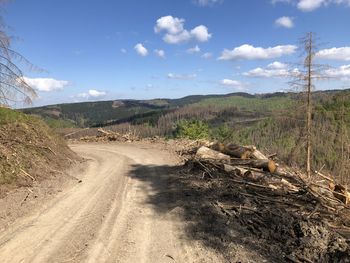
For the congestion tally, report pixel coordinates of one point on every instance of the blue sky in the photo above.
(113, 49)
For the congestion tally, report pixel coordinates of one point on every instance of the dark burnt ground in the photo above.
(240, 220)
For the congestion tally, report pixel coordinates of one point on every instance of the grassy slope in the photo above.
(249, 104)
(27, 145)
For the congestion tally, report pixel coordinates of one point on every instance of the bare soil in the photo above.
(110, 215)
(134, 202)
(30, 152)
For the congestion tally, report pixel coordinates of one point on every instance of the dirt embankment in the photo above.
(29, 151)
(33, 164)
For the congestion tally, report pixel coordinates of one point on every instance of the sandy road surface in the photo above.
(106, 218)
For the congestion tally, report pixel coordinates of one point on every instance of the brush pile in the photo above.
(110, 136)
(305, 219)
(29, 151)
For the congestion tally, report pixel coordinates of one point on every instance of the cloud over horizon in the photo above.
(341, 53)
(249, 52)
(233, 84)
(341, 73)
(46, 84)
(92, 93)
(273, 70)
(181, 76)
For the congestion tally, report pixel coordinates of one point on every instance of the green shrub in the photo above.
(10, 116)
(194, 130)
(223, 133)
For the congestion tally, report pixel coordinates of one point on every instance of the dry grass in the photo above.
(29, 150)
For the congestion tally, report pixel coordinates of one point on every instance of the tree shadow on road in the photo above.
(196, 198)
(217, 212)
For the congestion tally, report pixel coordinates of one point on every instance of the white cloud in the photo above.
(95, 93)
(193, 50)
(273, 70)
(175, 33)
(285, 21)
(184, 36)
(160, 53)
(207, 55)
(277, 65)
(46, 84)
(267, 73)
(281, 70)
(248, 52)
(207, 2)
(92, 93)
(141, 50)
(123, 50)
(341, 53)
(311, 5)
(201, 33)
(172, 25)
(343, 72)
(233, 84)
(181, 76)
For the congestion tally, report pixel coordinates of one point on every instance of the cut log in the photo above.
(340, 192)
(233, 150)
(205, 153)
(229, 168)
(266, 165)
(324, 176)
(290, 186)
(237, 170)
(258, 155)
(218, 146)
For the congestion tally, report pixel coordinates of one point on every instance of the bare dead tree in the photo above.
(13, 87)
(344, 140)
(304, 80)
(310, 49)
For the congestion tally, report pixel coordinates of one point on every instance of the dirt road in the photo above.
(107, 217)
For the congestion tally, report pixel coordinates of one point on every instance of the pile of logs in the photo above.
(110, 136)
(252, 165)
(307, 218)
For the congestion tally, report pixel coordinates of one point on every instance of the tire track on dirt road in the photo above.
(106, 218)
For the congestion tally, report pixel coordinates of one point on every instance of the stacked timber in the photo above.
(251, 164)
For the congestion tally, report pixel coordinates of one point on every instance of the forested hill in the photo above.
(102, 113)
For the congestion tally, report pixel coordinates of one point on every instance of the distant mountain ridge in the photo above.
(102, 113)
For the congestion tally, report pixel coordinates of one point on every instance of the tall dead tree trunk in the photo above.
(308, 64)
(303, 80)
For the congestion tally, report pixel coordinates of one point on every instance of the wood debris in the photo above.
(110, 136)
(251, 164)
(309, 217)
